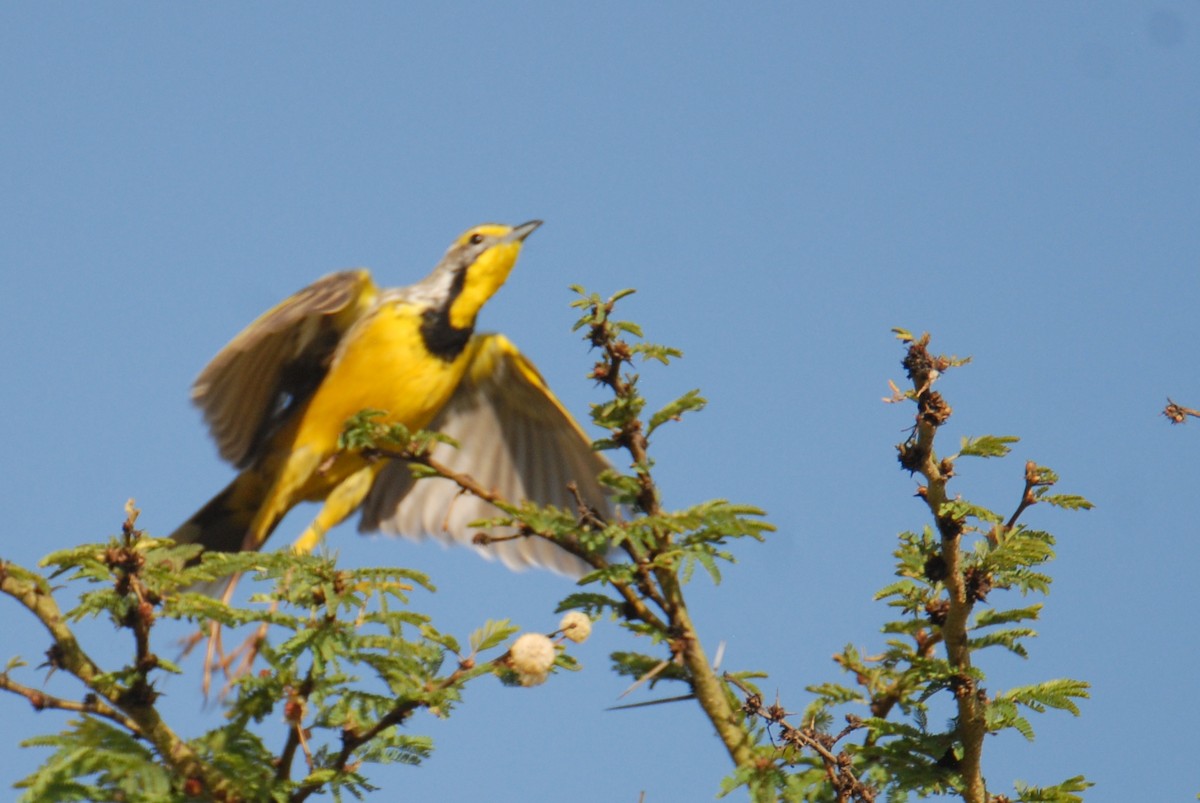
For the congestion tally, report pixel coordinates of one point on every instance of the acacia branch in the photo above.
(1179, 414)
(353, 739)
(656, 580)
(31, 592)
(1028, 499)
(918, 455)
(469, 485)
(294, 715)
(40, 700)
(846, 785)
(653, 578)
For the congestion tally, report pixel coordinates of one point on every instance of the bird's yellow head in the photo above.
(482, 258)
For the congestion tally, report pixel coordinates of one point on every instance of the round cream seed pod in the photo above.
(532, 680)
(576, 626)
(532, 654)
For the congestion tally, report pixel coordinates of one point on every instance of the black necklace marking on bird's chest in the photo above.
(444, 341)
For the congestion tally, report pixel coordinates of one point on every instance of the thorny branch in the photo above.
(1177, 413)
(650, 590)
(838, 766)
(135, 701)
(917, 455)
(656, 579)
(352, 738)
(91, 704)
(1033, 479)
(132, 705)
(468, 484)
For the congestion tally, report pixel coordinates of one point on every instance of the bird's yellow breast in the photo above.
(384, 365)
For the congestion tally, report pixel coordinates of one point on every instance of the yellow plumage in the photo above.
(277, 398)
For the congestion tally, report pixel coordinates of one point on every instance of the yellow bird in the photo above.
(277, 398)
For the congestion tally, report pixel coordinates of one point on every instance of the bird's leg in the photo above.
(343, 500)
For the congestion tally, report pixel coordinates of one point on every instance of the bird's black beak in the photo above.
(519, 233)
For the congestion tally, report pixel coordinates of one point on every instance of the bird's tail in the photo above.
(223, 524)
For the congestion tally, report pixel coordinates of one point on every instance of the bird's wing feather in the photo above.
(514, 438)
(277, 361)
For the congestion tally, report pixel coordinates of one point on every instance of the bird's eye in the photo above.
(476, 239)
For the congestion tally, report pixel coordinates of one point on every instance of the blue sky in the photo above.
(782, 183)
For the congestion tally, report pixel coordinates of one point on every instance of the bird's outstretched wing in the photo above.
(514, 438)
(276, 362)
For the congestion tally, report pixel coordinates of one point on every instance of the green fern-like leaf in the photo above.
(989, 617)
(493, 633)
(93, 760)
(1009, 639)
(962, 510)
(987, 446)
(836, 694)
(1060, 694)
(1066, 501)
(688, 402)
(652, 351)
(590, 603)
(1069, 791)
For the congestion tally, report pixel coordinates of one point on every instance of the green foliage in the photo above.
(592, 604)
(909, 673)
(652, 670)
(93, 760)
(675, 541)
(688, 402)
(492, 634)
(1065, 792)
(950, 611)
(962, 510)
(1066, 501)
(987, 446)
(343, 660)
